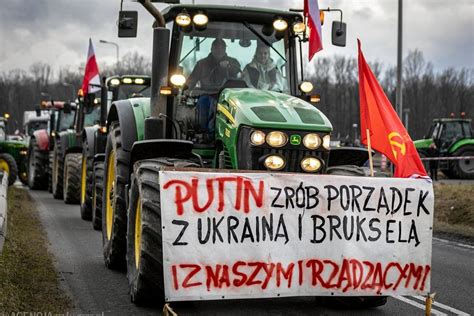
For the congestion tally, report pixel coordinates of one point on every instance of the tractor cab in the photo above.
(446, 132)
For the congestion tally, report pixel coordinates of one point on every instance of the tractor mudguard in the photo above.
(348, 156)
(68, 142)
(88, 137)
(156, 148)
(122, 111)
(42, 139)
(100, 141)
(461, 143)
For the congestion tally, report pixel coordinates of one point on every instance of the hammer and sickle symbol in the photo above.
(399, 143)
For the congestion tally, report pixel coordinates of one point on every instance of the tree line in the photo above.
(426, 94)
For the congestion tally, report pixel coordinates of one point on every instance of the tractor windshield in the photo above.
(93, 117)
(234, 51)
(131, 91)
(66, 121)
(36, 125)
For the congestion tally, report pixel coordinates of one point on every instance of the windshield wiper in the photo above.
(263, 39)
(193, 49)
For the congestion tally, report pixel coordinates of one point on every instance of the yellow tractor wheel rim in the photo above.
(138, 232)
(109, 194)
(4, 166)
(83, 180)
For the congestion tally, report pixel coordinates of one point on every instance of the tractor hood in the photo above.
(423, 143)
(268, 109)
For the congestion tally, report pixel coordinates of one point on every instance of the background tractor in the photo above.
(452, 137)
(94, 139)
(248, 128)
(12, 154)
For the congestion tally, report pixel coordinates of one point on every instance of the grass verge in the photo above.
(454, 209)
(28, 279)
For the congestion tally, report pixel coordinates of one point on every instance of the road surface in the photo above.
(96, 290)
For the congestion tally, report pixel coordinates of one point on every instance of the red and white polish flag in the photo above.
(91, 81)
(311, 11)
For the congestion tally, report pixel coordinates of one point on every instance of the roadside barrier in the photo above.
(448, 158)
(3, 208)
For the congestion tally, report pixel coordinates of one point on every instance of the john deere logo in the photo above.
(295, 139)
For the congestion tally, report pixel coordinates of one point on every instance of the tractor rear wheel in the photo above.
(144, 240)
(58, 172)
(463, 169)
(72, 178)
(114, 215)
(37, 166)
(50, 171)
(8, 164)
(86, 185)
(97, 195)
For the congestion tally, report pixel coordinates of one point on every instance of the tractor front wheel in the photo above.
(8, 164)
(58, 172)
(86, 185)
(97, 195)
(72, 178)
(463, 169)
(37, 167)
(144, 240)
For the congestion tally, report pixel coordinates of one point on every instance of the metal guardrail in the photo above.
(3, 208)
(448, 158)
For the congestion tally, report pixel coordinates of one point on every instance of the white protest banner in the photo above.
(253, 235)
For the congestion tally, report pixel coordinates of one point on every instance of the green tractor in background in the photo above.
(242, 127)
(94, 139)
(12, 154)
(452, 137)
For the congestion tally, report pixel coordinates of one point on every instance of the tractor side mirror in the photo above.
(339, 33)
(67, 108)
(127, 24)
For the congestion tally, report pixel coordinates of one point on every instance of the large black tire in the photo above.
(58, 172)
(145, 275)
(97, 195)
(38, 161)
(8, 163)
(50, 171)
(72, 178)
(114, 208)
(463, 169)
(87, 180)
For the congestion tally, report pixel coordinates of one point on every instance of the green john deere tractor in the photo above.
(94, 139)
(12, 154)
(67, 153)
(452, 137)
(229, 125)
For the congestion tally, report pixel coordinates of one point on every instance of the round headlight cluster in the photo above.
(277, 139)
(326, 141)
(257, 138)
(311, 164)
(312, 141)
(275, 162)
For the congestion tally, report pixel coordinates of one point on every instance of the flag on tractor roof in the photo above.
(91, 81)
(387, 133)
(311, 12)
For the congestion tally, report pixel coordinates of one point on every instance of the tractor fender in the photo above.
(68, 140)
(461, 143)
(122, 111)
(356, 156)
(100, 141)
(42, 139)
(156, 148)
(88, 138)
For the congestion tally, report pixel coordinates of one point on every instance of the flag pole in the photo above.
(369, 147)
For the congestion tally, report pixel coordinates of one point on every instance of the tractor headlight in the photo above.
(127, 80)
(310, 164)
(298, 27)
(178, 80)
(139, 81)
(183, 19)
(312, 141)
(200, 19)
(279, 24)
(275, 162)
(277, 139)
(327, 141)
(23, 152)
(306, 87)
(257, 138)
(115, 82)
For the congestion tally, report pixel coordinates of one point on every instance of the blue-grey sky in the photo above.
(57, 31)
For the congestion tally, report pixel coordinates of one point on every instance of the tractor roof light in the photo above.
(274, 162)
(183, 19)
(139, 81)
(200, 19)
(96, 101)
(178, 80)
(311, 164)
(306, 87)
(327, 141)
(115, 82)
(127, 80)
(299, 27)
(312, 141)
(6, 116)
(280, 24)
(257, 138)
(277, 139)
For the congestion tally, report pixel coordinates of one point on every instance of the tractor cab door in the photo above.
(450, 133)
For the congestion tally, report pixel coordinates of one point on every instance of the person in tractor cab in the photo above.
(210, 74)
(262, 72)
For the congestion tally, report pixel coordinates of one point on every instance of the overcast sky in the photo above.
(57, 31)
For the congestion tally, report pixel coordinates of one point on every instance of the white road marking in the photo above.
(416, 304)
(446, 307)
(453, 243)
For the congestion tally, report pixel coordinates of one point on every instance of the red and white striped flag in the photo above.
(91, 81)
(311, 11)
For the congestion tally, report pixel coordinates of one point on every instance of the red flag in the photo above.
(91, 81)
(387, 133)
(311, 11)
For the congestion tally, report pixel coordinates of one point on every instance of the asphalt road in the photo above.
(96, 290)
